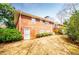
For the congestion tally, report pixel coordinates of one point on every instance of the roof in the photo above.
(33, 16)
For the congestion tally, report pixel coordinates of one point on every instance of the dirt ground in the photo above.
(50, 45)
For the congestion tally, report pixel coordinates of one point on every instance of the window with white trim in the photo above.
(33, 20)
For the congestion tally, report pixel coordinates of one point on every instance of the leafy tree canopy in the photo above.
(73, 26)
(7, 14)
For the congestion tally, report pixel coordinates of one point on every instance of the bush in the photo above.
(73, 27)
(9, 35)
(43, 34)
(63, 30)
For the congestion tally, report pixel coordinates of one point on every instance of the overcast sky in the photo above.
(40, 9)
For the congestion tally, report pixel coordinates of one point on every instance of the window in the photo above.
(33, 20)
(46, 23)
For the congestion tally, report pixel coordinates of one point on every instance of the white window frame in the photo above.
(33, 20)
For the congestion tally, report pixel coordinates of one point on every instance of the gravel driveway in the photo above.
(50, 45)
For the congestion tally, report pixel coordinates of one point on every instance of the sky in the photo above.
(40, 9)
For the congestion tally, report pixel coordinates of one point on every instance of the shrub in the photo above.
(9, 35)
(73, 26)
(43, 34)
(63, 30)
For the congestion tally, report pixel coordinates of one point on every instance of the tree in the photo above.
(73, 26)
(65, 13)
(7, 14)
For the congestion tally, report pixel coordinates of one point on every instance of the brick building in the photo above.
(29, 25)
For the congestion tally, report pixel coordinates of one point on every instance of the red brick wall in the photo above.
(34, 27)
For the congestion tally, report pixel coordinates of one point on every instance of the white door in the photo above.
(26, 33)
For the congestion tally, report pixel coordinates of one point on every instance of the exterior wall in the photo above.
(26, 22)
